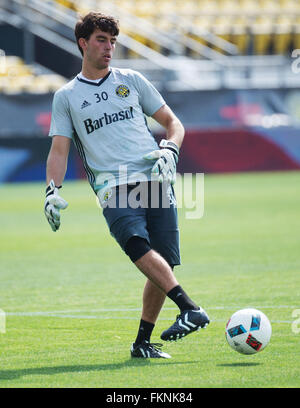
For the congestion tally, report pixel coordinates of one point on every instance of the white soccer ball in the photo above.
(248, 331)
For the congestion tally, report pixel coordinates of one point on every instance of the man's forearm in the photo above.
(57, 160)
(175, 132)
(56, 168)
(174, 128)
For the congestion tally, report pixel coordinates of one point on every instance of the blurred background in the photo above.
(230, 69)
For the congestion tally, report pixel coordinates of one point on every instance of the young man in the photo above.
(103, 111)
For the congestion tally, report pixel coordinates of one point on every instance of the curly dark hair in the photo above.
(86, 25)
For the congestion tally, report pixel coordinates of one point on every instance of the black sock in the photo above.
(181, 299)
(145, 331)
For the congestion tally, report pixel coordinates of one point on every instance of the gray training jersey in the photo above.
(107, 123)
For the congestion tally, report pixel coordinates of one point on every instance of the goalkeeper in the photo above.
(103, 111)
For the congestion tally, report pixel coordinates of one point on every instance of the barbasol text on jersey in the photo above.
(107, 119)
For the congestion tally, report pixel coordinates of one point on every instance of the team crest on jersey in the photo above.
(107, 195)
(104, 195)
(122, 91)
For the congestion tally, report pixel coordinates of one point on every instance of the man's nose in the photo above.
(108, 45)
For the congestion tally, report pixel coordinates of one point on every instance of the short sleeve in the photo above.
(61, 122)
(149, 97)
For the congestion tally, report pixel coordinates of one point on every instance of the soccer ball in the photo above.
(248, 331)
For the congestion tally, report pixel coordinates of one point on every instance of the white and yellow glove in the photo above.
(53, 204)
(164, 168)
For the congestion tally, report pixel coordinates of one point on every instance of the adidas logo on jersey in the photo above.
(85, 104)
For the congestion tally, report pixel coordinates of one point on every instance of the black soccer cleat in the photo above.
(187, 322)
(148, 350)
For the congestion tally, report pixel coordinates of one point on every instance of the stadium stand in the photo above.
(18, 77)
(255, 26)
(226, 42)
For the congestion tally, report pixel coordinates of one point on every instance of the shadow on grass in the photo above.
(238, 364)
(13, 374)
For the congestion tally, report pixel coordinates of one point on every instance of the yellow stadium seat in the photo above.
(228, 7)
(11, 65)
(208, 6)
(296, 34)
(13, 60)
(204, 24)
(262, 31)
(292, 6)
(222, 28)
(283, 35)
(19, 77)
(139, 38)
(162, 24)
(164, 8)
(240, 35)
(51, 81)
(127, 29)
(127, 5)
(13, 86)
(187, 8)
(16, 71)
(4, 83)
(68, 4)
(269, 6)
(249, 6)
(144, 9)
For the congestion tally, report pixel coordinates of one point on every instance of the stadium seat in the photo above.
(13, 60)
(282, 35)
(249, 6)
(188, 8)
(144, 9)
(254, 26)
(203, 24)
(222, 27)
(68, 4)
(14, 67)
(17, 77)
(4, 84)
(262, 30)
(228, 7)
(127, 5)
(292, 6)
(296, 34)
(269, 6)
(208, 6)
(240, 34)
(164, 9)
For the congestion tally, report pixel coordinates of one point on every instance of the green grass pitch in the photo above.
(72, 299)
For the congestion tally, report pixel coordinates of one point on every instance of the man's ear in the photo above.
(83, 43)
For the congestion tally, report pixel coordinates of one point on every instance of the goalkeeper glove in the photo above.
(53, 204)
(166, 158)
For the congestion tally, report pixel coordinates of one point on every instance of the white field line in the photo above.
(69, 314)
(62, 316)
(234, 307)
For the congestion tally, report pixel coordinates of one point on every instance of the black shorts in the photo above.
(147, 210)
